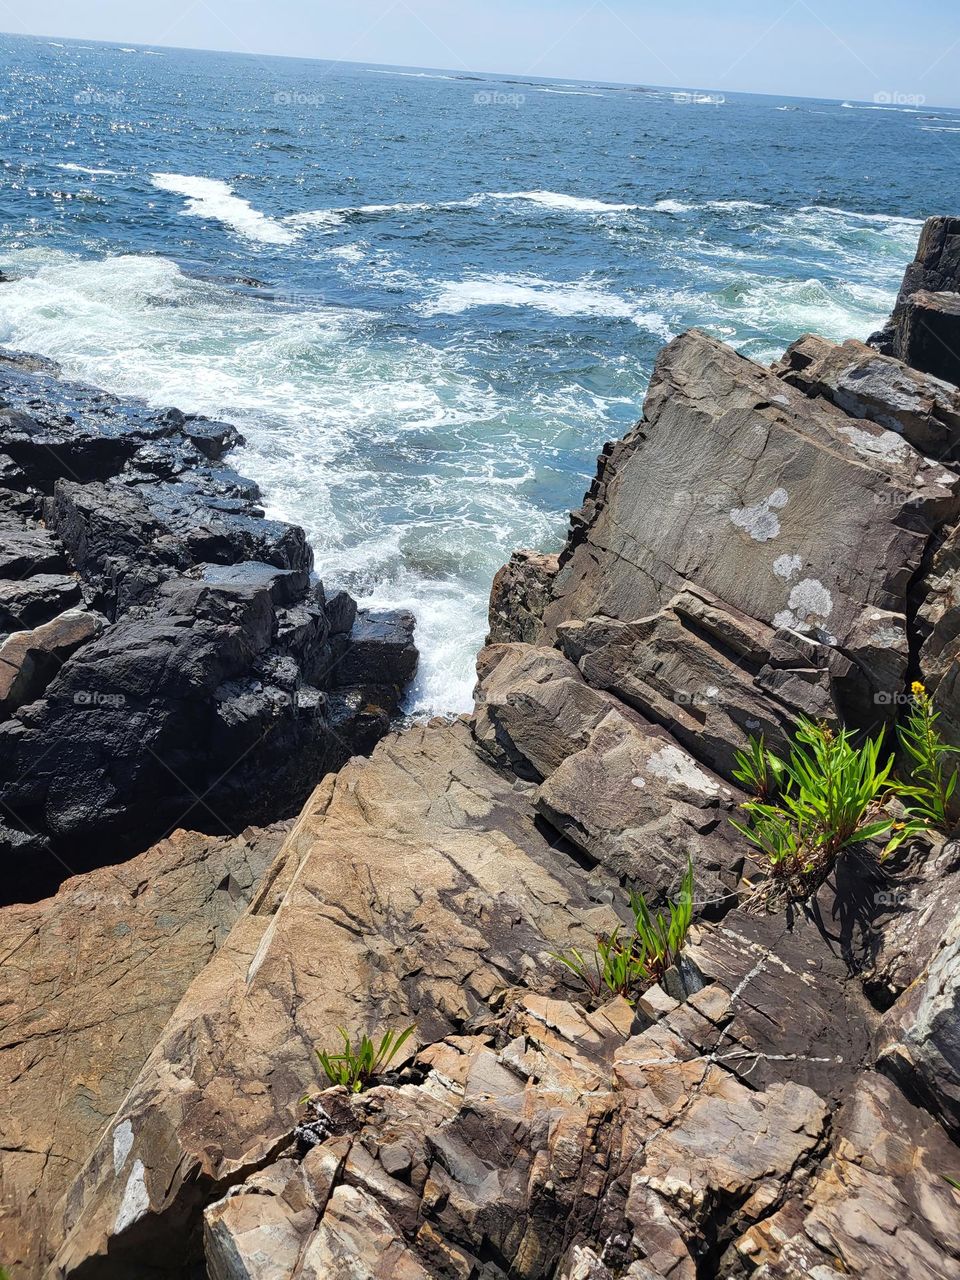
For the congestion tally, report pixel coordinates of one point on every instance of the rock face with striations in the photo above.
(88, 981)
(784, 1103)
(168, 659)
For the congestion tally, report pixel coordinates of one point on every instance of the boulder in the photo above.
(207, 709)
(125, 540)
(923, 409)
(928, 334)
(936, 268)
(412, 889)
(29, 660)
(711, 676)
(224, 684)
(28, 602)
(89, 979)
(796, 547)
(26, 551)
(519, 595)
(920, 1041)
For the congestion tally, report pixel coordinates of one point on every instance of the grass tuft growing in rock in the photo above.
(931, 788)
(358, 1068)
(828, 794)
(625, 963)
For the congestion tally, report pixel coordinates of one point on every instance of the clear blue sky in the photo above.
(817, 48)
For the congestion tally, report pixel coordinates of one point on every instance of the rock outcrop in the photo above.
(935, 270)
(166, 658)
(785, 1101)
(88, 981)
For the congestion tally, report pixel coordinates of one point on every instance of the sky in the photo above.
(899, 50)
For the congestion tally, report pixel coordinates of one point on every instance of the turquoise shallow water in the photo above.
(428, 299)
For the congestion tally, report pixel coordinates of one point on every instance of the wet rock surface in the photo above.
(166, 658)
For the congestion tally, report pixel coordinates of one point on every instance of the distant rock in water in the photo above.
(165, 657)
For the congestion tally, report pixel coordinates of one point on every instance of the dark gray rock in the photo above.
(27, 602)
(936, 268)
(224, 687)
(928, 334)
(380, 651)
(28, 551)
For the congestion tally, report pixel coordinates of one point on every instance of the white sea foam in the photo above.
(671, 206)
(559, 201)
(410, 75)
(880, 218)
(576, 298)
(570, 93)
(316, 218)
(80, 168)
(211, 198)
(403, 468)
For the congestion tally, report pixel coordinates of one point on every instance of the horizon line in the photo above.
(519, 77)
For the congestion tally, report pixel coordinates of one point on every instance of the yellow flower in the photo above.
(917, 689)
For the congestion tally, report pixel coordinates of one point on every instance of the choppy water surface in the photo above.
(428, 299)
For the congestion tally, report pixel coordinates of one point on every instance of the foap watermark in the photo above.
(893, 898)
(298, 99)
(94, 698)
(99, 98)
(894, 98)
(693, 98)
(496, 98)
(701, 698)
(898, 498)
(690, 499)
(887, 698)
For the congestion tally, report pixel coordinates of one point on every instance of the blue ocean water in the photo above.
(427, 299)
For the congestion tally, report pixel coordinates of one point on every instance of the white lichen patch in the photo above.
(122, 1143)
(887, 444)
(787, 566)
(670, 764)
(809, 606)
(136, 1199)
(761, 521)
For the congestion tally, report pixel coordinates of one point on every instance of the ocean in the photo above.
(428, 298)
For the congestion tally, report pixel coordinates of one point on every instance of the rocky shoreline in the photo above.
(784, 1103)
(166, 658)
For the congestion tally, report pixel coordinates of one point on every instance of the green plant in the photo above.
(830, 794)
(661, 939)
(357, 1068)
(758, 769)
(626, 964)
(931, 790)
(615, 965)
(952, 1181)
